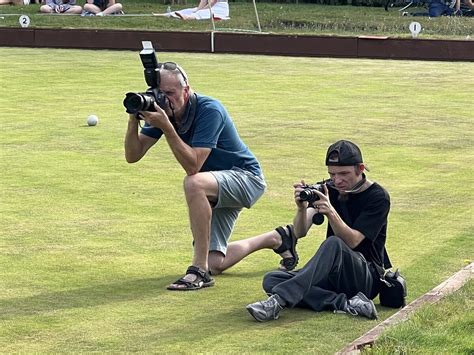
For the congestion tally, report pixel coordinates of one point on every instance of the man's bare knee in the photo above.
(191, 184)
(216, 260)
(215, 271)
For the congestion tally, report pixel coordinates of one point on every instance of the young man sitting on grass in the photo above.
(344, 274)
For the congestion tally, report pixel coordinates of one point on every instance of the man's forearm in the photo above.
(300, 223)
(132, 145)
(184, 154)
(350, 236)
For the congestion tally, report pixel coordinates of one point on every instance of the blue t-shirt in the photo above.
(213, 128)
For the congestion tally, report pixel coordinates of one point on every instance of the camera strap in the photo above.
(189, 115)
(357, 187)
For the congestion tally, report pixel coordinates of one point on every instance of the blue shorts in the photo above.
(237, 189)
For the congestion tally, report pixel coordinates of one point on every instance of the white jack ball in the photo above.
(92, 120)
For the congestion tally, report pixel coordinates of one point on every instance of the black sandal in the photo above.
(288, 242)
(203, 279)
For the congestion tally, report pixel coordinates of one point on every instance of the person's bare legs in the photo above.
(76, 9)
(201, 190)
(238, 250)
(91, 8)
(117, 7)
(45, 9)
(11, 2)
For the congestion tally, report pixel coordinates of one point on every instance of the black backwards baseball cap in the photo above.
(343, 153)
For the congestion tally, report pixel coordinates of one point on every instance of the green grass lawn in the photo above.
(282, 18)
(441, 328)
(89, 242)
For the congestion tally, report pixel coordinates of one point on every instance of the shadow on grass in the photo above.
(97, 295)
(91, 296)
(239, 274)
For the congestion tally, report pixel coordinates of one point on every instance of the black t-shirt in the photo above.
(367, 213)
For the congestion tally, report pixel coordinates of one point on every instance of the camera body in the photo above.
(144, 101)
(309, 193)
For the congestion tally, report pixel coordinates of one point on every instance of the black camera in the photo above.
(144, 101)
(309, 193)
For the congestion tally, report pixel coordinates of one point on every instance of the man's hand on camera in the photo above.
(323, 205)
(300, 186)
(158, 119)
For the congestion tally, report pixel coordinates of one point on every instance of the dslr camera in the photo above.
(144, 101)
(309, 193)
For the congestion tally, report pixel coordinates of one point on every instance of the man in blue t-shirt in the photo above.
(222, 174)
(344, 274)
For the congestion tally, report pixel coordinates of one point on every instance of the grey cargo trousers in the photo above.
(332, 276)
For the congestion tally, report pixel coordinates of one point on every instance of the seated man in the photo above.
(61, 7)
(344, 274)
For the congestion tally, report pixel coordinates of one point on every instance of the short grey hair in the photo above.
(179, 74)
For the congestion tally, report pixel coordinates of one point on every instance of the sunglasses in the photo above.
(171, 66)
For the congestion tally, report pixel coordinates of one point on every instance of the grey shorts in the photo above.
(237, 189)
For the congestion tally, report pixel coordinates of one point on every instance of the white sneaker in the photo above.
(99, 14)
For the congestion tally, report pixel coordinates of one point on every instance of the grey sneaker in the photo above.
(266, 310)
(360, 305)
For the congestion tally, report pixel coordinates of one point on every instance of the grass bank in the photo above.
(441, 328)
(275, 18)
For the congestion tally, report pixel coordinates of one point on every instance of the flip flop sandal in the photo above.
(203, 279)
(288, 243)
